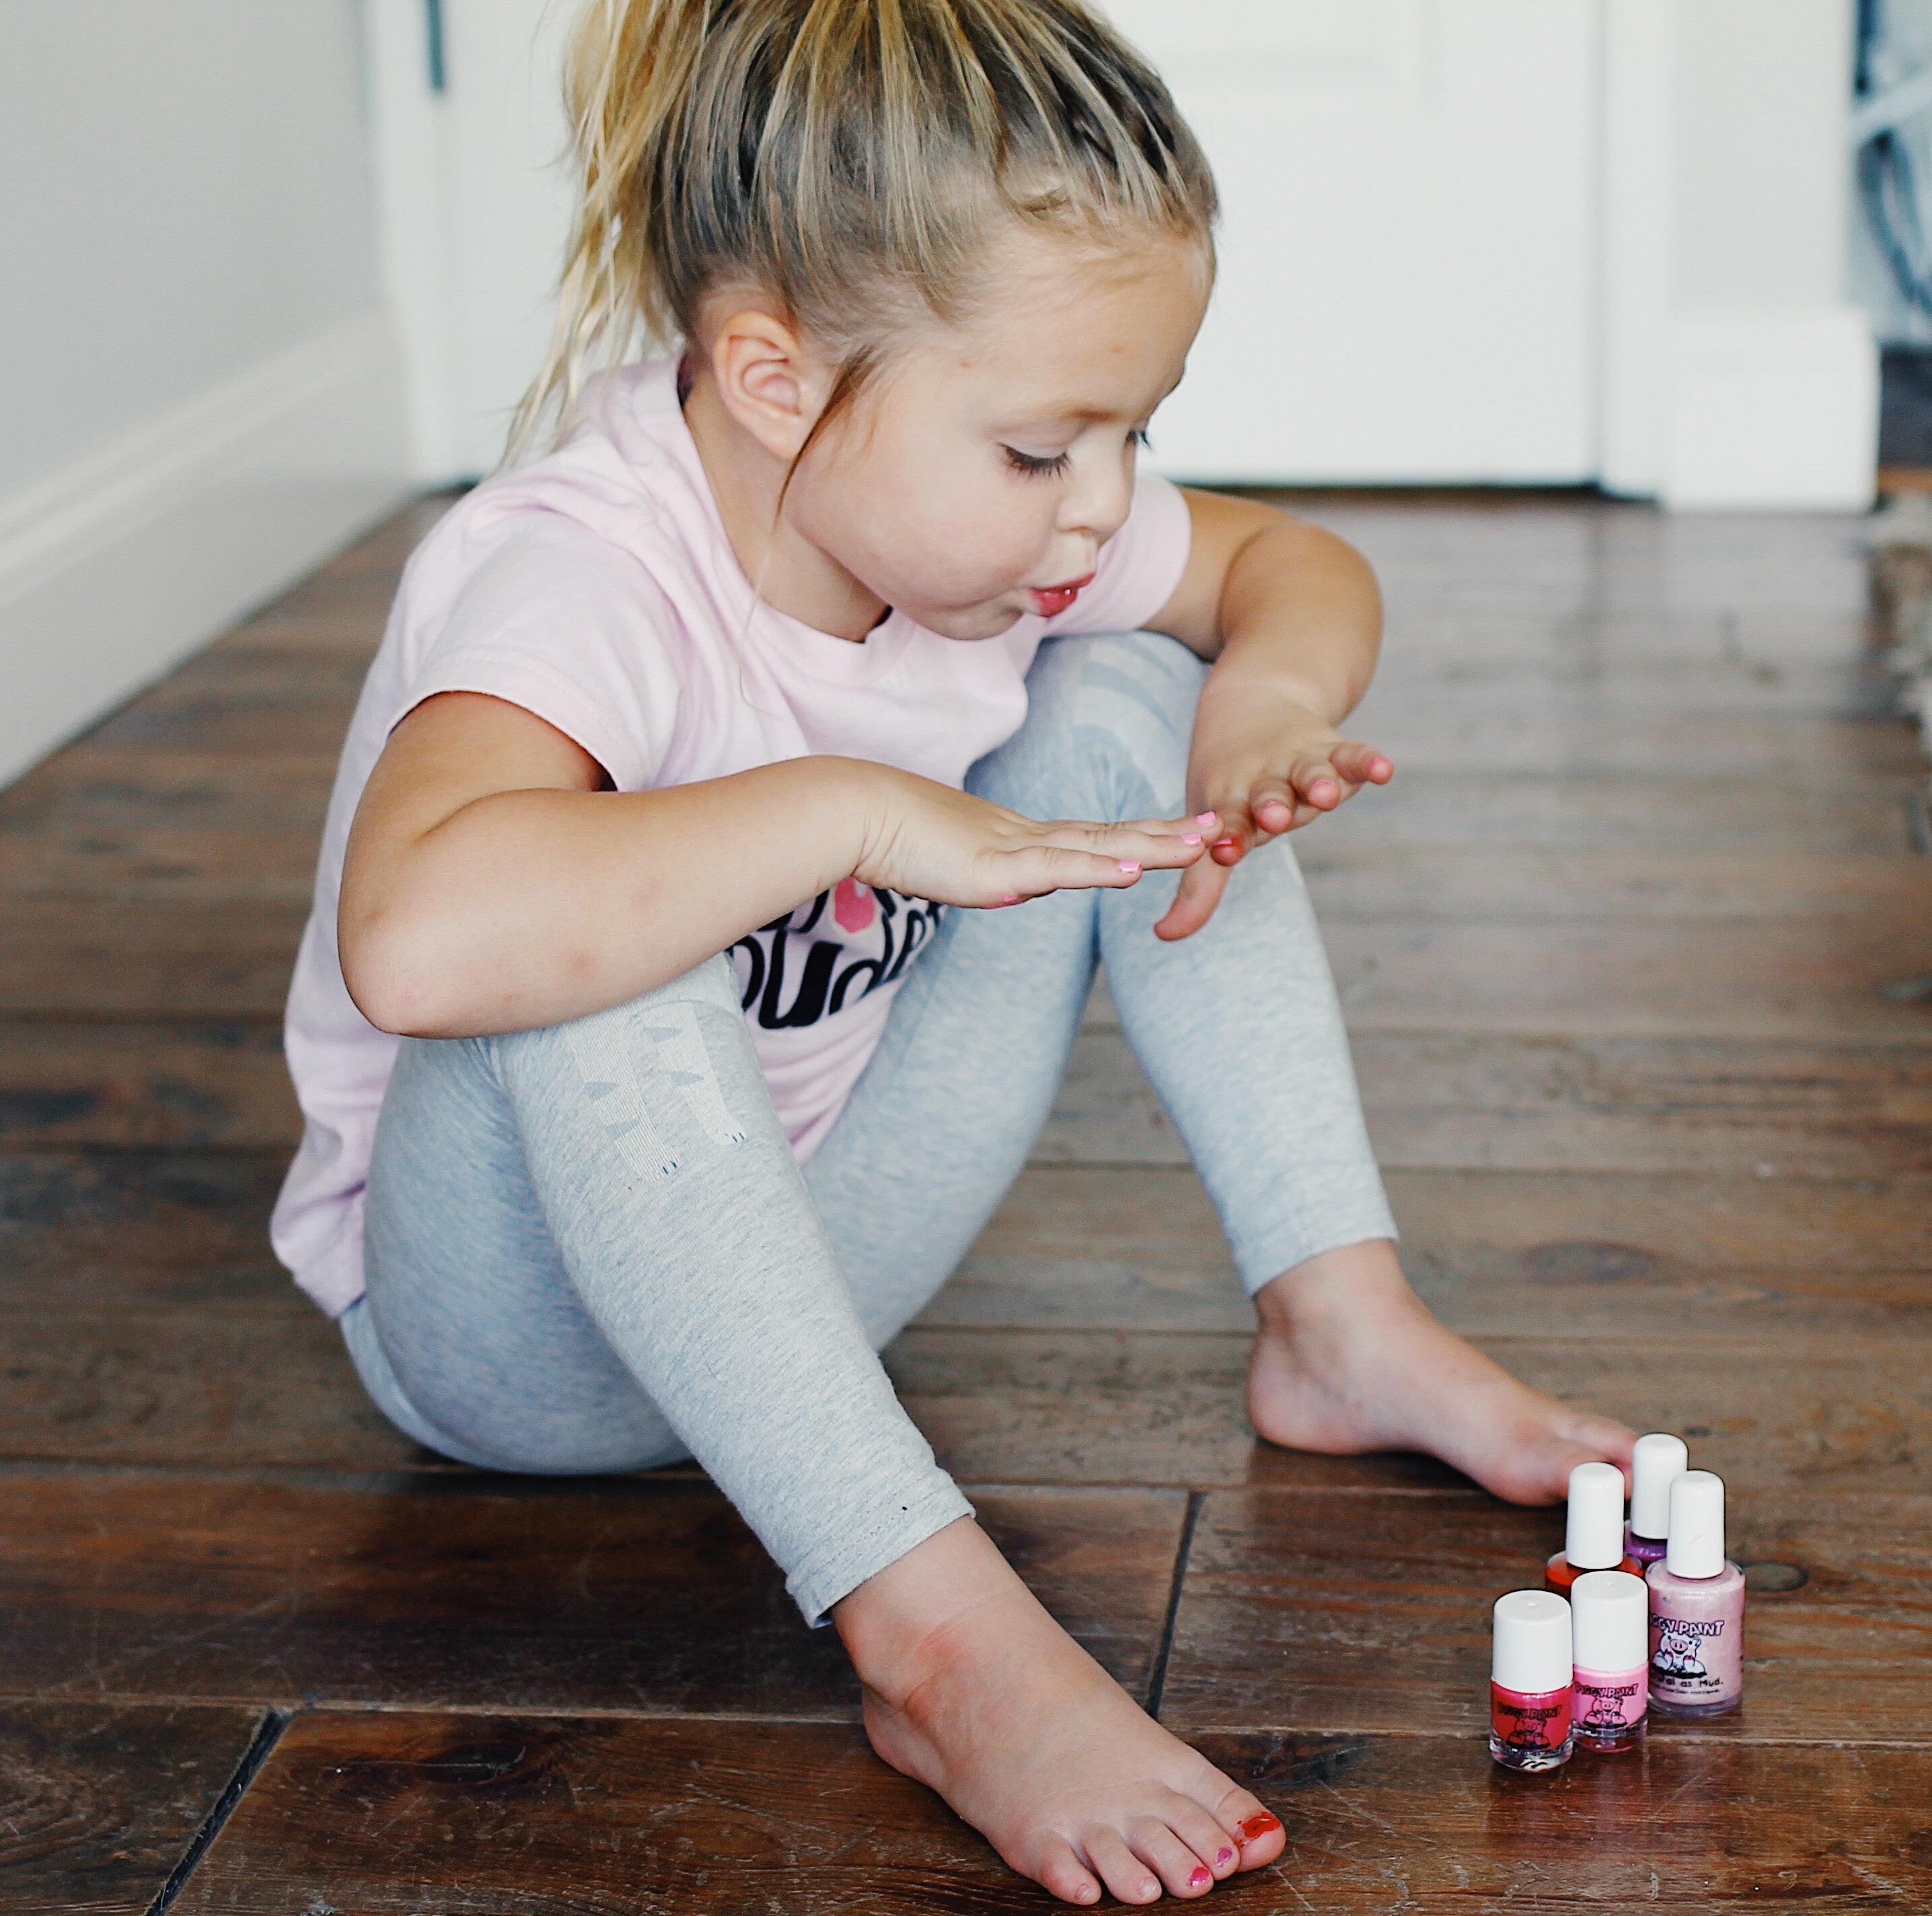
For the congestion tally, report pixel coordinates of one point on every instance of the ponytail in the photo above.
(848, 158)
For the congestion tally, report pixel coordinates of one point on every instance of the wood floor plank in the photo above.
(1476, 808)
(267, 1387)
(1335, 1612)
(1456, 1101)
(1033, 1406)
(1790, 978)
(170, 1086)
(642, 1594)
(194, 957)
(90, 1234)
(99, 1803)
(391, 1814)
(1102, 1248)
(1366, 879)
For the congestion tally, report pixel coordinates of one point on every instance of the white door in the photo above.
(1406, 288)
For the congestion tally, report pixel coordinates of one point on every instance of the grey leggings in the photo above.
(589, 1248)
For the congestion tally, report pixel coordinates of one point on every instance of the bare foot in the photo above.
(1349, 1358)
(972, 1689)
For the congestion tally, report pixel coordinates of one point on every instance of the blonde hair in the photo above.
(848, 158)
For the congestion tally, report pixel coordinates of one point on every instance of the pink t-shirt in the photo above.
(596, 588)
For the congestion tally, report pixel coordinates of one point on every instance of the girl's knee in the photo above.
(1110, 719)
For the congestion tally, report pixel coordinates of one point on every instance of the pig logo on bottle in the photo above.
(1679, 1646)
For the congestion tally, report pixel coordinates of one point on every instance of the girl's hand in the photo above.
(928, 841)
(1266, 764)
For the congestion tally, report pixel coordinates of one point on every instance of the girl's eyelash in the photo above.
(1033, 465)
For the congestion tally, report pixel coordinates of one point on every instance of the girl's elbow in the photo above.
(391, 979)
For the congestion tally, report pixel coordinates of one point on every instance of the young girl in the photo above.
(672, 822)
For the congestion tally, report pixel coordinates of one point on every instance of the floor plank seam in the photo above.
(268, 1734)
(1183, 1549)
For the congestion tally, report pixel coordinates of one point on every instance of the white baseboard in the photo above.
(1771, 411)
(116, 566)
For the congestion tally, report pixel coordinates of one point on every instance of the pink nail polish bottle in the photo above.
(1660, 1459)
(1529, 1682)
(1593, 1536)
(1610, 1646)
(1696, 1607)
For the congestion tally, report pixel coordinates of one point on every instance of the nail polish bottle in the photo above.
(1529, 1682)
(1696, 1607)
(1609, 1640)
(1660, 1459)
(1593, 1538)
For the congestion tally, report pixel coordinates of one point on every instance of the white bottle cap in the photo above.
(1532, 1652)
(1593, 1537)
(1696, 1541)
(1610, 1621)
(1660, 1458)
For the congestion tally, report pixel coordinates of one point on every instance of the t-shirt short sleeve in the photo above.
(1139, 567)
(565, 624)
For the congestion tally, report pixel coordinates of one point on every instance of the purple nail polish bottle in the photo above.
(1696, 1607)
(1659, 1459)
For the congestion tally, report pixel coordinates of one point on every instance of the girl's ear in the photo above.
(771, 382)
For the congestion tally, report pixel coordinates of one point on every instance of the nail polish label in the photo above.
(1610, 1700)
(1533, 1721)
(1695, 1660)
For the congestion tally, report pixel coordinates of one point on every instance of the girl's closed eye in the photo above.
(1036, 465)
(1039, 465)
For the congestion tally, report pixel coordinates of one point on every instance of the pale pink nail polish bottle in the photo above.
(1610, 1639)
(1696, 1607)
(1660, 1459)
(1529, 1682)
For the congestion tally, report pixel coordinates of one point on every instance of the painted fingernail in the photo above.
(1223, 1857)
(1255, 1828)
(1224, 845)
(1206, 818)
(1129, 865)
(1198, 1879)
(1190, 838)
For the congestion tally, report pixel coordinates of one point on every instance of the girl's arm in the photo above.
(491, 885)
(1291, 617)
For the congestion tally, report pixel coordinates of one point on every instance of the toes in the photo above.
(1256, 1829)
(1197, 1828)
(1120, 1869)
(1178, 1867)
(1061, 1874)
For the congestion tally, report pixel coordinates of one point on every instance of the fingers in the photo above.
(1195, 899)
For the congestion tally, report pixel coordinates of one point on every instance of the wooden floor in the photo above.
(1618, 947)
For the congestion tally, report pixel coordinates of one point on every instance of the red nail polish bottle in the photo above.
(1659, 1459)
(1609, 1647)
(1593, 1537)
(1529, 1682)
(1696, 1607)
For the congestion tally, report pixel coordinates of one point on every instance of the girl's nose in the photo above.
(1096, 507)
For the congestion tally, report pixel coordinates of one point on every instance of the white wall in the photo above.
(1737, 372)
(201, 389)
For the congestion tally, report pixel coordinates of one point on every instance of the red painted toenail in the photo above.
(1198, 1879)
(1255, 1828)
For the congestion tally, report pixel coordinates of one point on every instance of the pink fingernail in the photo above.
(1223, 1857)
(1205, 818)
(1129, 865)
(1190, 838)
(1198, 1879)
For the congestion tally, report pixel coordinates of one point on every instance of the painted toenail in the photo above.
(1223, 1857)
(1198, 1879)
(1255, 1828)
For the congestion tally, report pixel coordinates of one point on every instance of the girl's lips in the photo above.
(1049, 599)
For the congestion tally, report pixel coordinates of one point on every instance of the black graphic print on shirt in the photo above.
(828, 954)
